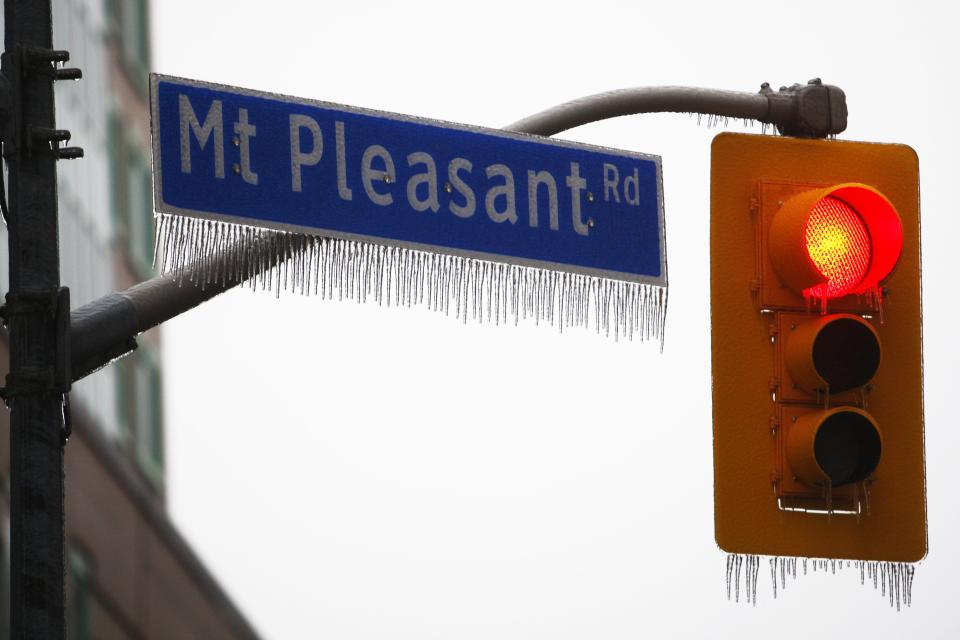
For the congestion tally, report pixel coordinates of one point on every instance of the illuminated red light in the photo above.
(839, 246)
(851, 238)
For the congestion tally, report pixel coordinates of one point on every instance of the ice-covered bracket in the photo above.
(476, 222)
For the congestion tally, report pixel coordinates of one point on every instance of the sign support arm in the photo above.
(106, 328)
(814, 110)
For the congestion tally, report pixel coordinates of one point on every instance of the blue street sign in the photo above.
(266, 160)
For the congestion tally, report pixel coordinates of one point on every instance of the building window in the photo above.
(117, 149)
(140, 206)
(140, 395)
(132, 200)
(129, 22)
(78, 595)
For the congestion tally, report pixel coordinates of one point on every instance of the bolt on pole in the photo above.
(37, 314)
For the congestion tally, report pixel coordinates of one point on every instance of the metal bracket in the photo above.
(48, 140)
(47, 62)
(20, 63)
(812, 110)
(55, 304)
(32, 380)
(29, 301)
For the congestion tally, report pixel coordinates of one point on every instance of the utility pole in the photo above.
(37, 314)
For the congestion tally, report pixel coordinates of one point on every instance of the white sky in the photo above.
(349, 471)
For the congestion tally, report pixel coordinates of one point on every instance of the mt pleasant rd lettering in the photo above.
(306, 150)
(268, 161)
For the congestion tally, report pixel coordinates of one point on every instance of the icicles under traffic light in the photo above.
(894, 580)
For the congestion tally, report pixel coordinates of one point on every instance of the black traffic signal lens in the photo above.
(847, 447)
(846, 353)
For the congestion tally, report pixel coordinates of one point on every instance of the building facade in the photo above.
(130, 575)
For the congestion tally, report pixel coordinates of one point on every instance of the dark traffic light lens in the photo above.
(846, 353)
(847, 447)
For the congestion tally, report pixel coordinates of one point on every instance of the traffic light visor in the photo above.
(832, 242)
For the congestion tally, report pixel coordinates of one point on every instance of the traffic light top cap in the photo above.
(835, 241)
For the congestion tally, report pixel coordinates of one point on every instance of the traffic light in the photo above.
(816, 345)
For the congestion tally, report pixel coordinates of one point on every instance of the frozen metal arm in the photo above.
(812, 110)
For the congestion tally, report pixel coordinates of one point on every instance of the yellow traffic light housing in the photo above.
(816, 344)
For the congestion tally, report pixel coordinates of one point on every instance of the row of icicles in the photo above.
(209, 252)
(894, 580)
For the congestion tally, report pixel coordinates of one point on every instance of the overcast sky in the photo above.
(350, 471)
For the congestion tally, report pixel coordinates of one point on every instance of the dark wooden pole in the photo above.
(37, 316)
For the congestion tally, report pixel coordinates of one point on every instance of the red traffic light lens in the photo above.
(839, 246)
(833, 242)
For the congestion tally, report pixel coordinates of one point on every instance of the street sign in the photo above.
(264, 160)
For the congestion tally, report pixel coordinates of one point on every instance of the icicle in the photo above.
(909, 585)
(729, 573)
(773, 575)
(896, 582)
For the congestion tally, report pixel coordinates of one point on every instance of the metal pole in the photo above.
(813, 110)
(37, 316)
(106, 329)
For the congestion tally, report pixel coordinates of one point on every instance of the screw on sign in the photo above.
(817, 370)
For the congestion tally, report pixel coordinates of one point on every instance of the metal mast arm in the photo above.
(105, 329)
(812, 110)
